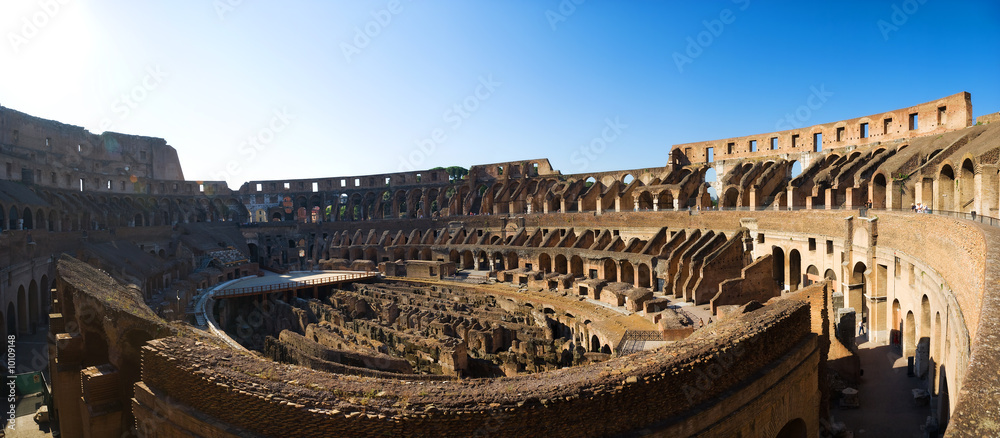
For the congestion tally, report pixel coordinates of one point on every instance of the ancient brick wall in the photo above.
(639, 391)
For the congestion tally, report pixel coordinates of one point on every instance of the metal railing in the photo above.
(262, 289)
(635, 340)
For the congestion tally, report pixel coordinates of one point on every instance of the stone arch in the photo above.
(897, 323)
(731, 198)
(944, 201)
(576, 266)
(879, 191)
(544, 263)
(53, 222)
(644, 276)
(27, 217)
(645, 200)
(468, 261)
(512, 260)
(665, 200)
(966, 186)
(794, 429)
(610, 270)
(794, 270)
(627, 272)
(909, 335)
(778, 265)
(560, 264)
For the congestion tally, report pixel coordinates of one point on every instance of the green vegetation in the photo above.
(455, 173)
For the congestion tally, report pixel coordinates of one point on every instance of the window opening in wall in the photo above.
(942, 115)
(562, 232)
(913, 121)
(79, 148)
(287, 186)
(710, 155)
(829, 247)
(593, 274)
(840, 133)
(175, 187)
(315, 185)
(760, 237)
(812, 244)
(53, 177)
(795, 141)
(614, 232)
(818, 142)
(480, 233)
(274, 186)
(343, 183)
(81, 184)
(387, 181)
(302, 185)
(729, 148)
(15, 137)
(48, 141)
(896, 269)
(499, 170)
(687, 153)
(260, 187)
(886, 124)
(419, 176)
(201, 187)
(864, 130)
(753, 145)
(122, 185)
(357, 182)
(774, 143)
(109, 184)
(534, 169)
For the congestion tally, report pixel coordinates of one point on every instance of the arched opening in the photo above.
(595, 344)
(946, 189)
(794, 270)
(544, 263)
(778, 265)
(793, 429)
(731, 198)
(796, 169)
(13, 216)
(560, 265)
(28, 223)
(610, 270)
(644, 275)
(665, 201)
(967, 187)
(645, 201)
(895, 333)
(812, 275)
(628, 272)
(879, 185)
(909, 335)
(628, 178)
(512, 260)
(468, 261)
(576, 266)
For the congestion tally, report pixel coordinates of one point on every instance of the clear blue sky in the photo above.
(350, 88)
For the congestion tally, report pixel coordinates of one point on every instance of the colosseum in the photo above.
(725, 293)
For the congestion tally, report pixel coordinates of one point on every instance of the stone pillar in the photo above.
(656, 204)
(636, 205)
(100, 415)
(66, 386)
